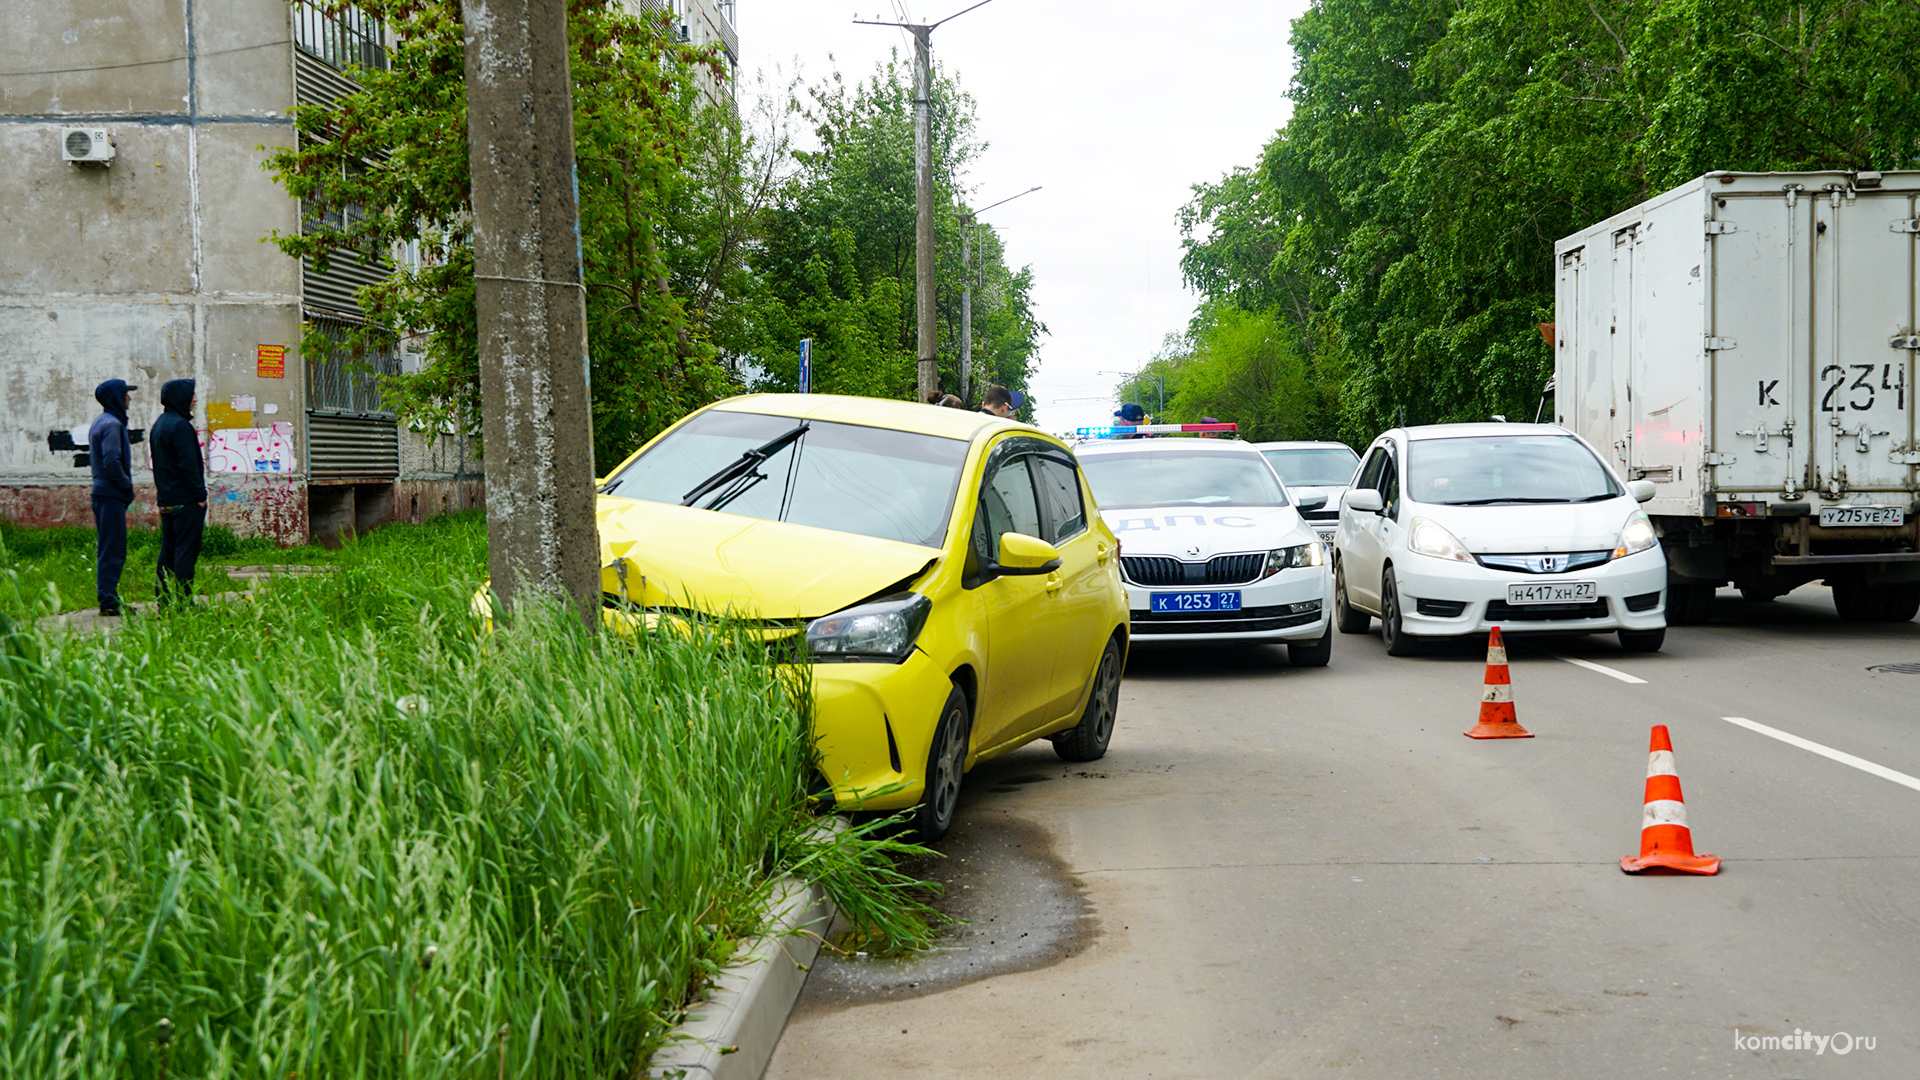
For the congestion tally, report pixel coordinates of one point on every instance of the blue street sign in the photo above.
(806, 365)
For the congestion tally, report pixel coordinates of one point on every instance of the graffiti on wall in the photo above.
(251, 450)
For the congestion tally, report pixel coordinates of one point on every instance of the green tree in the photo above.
(392, 162)
(835, 259)
(1437, 149)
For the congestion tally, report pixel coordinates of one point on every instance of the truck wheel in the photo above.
(1689, 605)
(1350, 619)
(1855, 601)
(1643, 640)
(946, 762)
(1902, 602)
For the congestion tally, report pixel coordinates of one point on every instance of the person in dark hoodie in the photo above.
(180, 487)
(112, 459)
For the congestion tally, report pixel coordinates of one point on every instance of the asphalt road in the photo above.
(1280, 873)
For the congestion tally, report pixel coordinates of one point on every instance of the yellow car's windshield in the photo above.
(893, 485)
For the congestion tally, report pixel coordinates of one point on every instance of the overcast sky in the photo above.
(1116, 108)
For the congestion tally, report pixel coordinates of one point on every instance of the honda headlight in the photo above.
(1298, 555)
(882, 630)
(1637, 536)
(1432, 538)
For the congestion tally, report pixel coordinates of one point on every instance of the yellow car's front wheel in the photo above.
(946, 763)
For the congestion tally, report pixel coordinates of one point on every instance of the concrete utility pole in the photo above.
(967, 222)
(923, 253)
(536, 415)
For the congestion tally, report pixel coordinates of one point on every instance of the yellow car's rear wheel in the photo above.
(946, 764)
(1087, 740)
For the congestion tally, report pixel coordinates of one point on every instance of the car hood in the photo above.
(1526, 529)
(676, 556)
(1193, 533)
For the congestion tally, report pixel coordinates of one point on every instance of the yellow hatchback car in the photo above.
(945, 573)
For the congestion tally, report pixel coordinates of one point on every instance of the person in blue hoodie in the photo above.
(180, 487)
(111, 457)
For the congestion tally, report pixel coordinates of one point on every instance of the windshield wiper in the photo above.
(743, 471)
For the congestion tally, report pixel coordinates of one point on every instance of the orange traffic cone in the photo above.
(1496, 701)
(1665, 840)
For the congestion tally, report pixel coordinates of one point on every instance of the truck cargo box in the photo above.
(1746, 342)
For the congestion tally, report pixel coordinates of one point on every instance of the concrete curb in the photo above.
(731, 1035)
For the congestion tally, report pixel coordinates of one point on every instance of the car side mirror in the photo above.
(1309, 498)
(1641, 490)
(1364, 501)
(1023, 555)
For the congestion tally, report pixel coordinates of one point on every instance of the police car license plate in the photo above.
(1558, 592)
(1170, 602)
(1326, 535)
(1831, 516)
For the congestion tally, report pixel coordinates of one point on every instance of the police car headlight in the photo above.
(1432, 538)
(883, 630)
(1636, 537)
(1286, 558)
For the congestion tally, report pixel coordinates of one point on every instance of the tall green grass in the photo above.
(336, 832)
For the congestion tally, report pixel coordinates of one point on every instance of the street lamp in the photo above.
(966, 288)
(1135, 377)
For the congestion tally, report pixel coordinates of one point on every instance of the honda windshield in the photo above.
(1175, 477)
(1490, 470)
(892, 485)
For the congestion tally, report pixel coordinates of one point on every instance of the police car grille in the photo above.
(1159, 570)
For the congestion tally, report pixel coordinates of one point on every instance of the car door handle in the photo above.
(1102, 553)
(1055, 583)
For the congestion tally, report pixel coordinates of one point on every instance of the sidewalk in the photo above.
(87, 620)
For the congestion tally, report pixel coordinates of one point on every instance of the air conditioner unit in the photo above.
(86, 146)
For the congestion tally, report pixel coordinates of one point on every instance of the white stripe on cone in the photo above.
(1664, 812)
(1498, 692)
(1496, 654)
(1660, 763)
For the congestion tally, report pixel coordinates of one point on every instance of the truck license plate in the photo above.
(1558, 592)
(1194, 601)
(1862, 515)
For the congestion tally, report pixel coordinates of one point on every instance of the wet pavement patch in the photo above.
(1017, 909)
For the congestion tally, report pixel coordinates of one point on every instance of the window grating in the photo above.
(341, 381)
(343, 36)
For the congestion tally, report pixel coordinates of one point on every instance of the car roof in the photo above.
(1151, 444)
(1302, 445)
(875, 412)
(1480, 430)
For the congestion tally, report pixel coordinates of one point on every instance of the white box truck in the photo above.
(1746, 342)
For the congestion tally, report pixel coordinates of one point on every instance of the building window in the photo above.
(345, 378)
(344, 37)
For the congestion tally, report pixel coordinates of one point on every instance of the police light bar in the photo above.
(1121, 430)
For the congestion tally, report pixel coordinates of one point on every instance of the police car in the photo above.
(1213, 547)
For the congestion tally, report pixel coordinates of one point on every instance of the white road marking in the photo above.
(1607, 671)
(1843, 758)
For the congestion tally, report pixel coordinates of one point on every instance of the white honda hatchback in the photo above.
(1212, 545)
(1457, 528)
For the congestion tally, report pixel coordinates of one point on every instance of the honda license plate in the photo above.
(1557, 592)
(1171, 602)
(1843, 516)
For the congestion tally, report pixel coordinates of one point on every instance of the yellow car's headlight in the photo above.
(883, 630)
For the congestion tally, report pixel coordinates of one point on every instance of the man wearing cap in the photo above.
(111, 457)
(1001, 401)
(1131, 415)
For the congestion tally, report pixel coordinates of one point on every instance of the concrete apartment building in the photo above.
(703, 22)
(149, 265)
